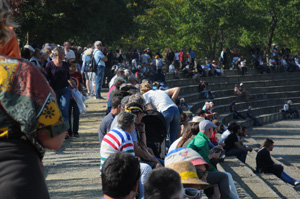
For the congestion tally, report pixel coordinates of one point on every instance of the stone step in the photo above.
(216, 87)
(195, 105)
(259, 113)
(253, 90)
(283, 189)
(233, 79)
(250, 182)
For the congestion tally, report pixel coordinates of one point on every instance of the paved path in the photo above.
(73, 171)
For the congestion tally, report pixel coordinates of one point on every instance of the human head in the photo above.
(244, 131)
(137, 98)
(126, 121)
(72, 65)
(59, 53)
(119, 81)
(124, 101)
(37, 53)
(98, 45)
(268, 144)
(189, 177)
(120, 175)
(136, 109)
(218, 124)
(67, 45)
(116, 102)
(158, 186)
(201, 113)
(145, 87)
(206, 127)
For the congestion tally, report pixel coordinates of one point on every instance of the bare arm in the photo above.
(148, 106)
(173, 93)
(50, 143)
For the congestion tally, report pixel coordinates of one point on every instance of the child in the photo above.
(77, 78)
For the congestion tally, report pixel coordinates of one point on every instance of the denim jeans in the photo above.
(241, 154)
(172, 117)
(99, 80)
(63, 97)
(286, 178)
(73, 110)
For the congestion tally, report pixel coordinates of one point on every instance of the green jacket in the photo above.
(200, 144)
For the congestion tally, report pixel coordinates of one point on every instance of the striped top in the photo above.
(114, 141)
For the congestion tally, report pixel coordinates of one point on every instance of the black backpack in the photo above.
(91, 65)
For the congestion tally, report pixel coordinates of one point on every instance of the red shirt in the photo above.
(181, 56)
(213, 137)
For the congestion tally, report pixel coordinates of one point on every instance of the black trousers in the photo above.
(21, 175)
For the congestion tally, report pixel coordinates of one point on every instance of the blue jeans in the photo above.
(285, 177)
(99, 80)
(74, 108)
(63, 97)
(241, 154)
(172, 117)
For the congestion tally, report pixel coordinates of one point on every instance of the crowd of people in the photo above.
(165, 157)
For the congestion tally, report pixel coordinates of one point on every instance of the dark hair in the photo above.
(267, 143)
(191, 129)
(162, 183)
(72, 61)
(231, 125)
(120, 173)
(115, 101)
(244, 128)
(236, 129)
(200, 112)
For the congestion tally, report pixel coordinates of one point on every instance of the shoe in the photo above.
(67, 136)
(297, 182)
(76, 135)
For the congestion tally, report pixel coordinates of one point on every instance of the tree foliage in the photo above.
(204, 25)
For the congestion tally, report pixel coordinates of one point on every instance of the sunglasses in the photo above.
(192, 192)
(201, 173)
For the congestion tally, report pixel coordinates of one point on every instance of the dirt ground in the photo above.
(73, 170)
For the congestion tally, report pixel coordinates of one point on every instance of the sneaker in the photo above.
(67, 136)
(76, 135)
(101, 98)
(297, 182)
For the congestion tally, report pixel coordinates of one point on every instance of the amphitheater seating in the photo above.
(268, 94)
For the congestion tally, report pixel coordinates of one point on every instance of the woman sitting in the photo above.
(264, 163)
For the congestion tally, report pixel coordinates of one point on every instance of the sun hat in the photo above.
(185, 154)
(206, 124)
(197, 119)
(188, 174)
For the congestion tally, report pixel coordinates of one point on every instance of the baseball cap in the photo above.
(134, 108)
(29, 47)
(185, 154)
(206, 124)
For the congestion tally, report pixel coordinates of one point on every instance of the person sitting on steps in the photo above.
(264, 163)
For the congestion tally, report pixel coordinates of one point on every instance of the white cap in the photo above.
(29, 47)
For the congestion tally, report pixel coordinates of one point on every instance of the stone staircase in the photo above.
(268, 94)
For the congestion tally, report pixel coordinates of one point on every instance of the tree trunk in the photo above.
(213, 55)
(271, 32)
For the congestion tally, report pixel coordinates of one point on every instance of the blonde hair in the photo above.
(145, 87)
(5, 22)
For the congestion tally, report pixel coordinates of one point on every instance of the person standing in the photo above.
(30, 120)
(69, 54)
(57, 73)
(100, 60)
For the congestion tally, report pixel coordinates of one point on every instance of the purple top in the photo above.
(57, 76)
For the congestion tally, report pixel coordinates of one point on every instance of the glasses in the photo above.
(192, 192)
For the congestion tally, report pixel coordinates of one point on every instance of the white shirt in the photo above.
(111, 83)
(224, 136)
(70, 55)
(159, 99)
(171, 68)
(174, 144)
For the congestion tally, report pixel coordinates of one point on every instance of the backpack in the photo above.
(91, 65)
